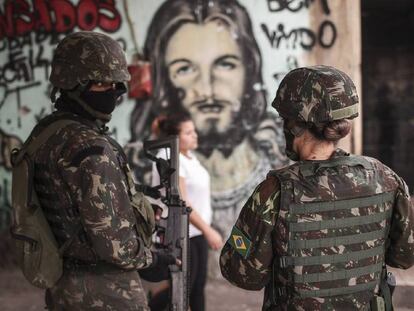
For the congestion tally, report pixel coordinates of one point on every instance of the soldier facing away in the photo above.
(85, 187)
(319, 233)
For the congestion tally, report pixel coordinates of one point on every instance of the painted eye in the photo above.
(186, 69)
(226, 65)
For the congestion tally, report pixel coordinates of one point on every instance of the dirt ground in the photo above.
(18, 295)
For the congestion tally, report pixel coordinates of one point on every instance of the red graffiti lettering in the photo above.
(65, 14)
(107, 23)
(19, 17)
(43, 21)
(87, 15)
(6, 20)
(24, 20)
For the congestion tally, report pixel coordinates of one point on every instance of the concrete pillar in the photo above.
(340, 19)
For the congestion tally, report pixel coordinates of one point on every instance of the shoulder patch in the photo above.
(239, 241)
(83, 154)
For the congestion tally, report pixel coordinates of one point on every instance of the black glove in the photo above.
(162, 258)
(158, 271)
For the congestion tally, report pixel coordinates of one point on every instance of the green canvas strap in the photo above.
(337, 275)
(344, 112)
(340, 223)
(45, 134)
(330, 259)
(385, 291)
(338, 291)
(310, 168)
(314, 207)
(42, 132)
(337, 241)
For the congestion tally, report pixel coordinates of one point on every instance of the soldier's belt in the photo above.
(99, 267)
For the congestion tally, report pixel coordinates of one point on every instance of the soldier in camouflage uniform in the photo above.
(85, 187)
(318, 233)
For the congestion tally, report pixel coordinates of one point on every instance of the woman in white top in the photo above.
(194, 182)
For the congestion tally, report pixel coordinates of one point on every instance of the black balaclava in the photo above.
(104, 102)
(90, 104)
(67, 104)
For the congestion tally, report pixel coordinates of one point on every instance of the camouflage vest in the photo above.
(335, 217)
(39, 251)
(143, 211)
(142, 208)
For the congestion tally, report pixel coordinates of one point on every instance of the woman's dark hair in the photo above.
(171, 124)
(332, 131)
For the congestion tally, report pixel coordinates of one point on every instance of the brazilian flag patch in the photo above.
(240, 242)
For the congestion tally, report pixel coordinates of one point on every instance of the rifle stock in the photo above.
(176, 239)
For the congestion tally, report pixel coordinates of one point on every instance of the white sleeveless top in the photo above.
(197, 181)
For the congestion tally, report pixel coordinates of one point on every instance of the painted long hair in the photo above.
(171, 15)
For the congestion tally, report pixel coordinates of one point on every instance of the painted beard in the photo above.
(223, 142)
(210, 138)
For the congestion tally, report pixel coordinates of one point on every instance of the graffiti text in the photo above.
(295, 5)
(304, 37)
(20, 17)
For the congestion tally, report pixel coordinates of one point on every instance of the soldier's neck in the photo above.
(310, 148)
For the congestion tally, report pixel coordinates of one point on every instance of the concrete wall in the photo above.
(388, 85)
(233, 64)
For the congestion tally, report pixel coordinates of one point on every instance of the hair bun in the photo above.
(336, 130)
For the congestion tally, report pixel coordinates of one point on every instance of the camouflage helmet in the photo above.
(87, 56)
(317, 94)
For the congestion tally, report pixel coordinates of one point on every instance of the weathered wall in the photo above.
(224, 70)
(29, 31)
(388, 84)
(345, 54)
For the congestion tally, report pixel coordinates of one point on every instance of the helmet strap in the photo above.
(291, 154)
(290, 133)
(75, 95)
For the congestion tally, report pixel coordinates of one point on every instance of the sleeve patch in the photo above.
(239, 241)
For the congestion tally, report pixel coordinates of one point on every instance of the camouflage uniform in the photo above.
(79, 178)
(316, 234)
(85, 190)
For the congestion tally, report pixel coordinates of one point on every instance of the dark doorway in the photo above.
(388, 84)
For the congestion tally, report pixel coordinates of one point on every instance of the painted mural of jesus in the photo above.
(206, 60)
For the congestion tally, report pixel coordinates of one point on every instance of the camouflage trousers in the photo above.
(101, 292)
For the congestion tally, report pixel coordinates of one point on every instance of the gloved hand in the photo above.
(158, 271)
(162, 258)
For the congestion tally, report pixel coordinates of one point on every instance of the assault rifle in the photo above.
(172, 230)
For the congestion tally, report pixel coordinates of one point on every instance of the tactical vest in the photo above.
(335, 218)
(142, 209)
(41, 229)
